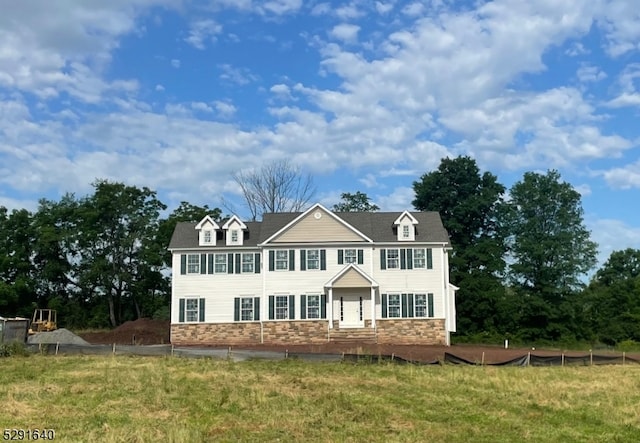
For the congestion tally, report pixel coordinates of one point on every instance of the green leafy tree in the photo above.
(551, 251)
(470, 206)
(611, 303)
(358, 202)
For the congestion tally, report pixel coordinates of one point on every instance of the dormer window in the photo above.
(207, 231)
(234, 228)
(406, 226)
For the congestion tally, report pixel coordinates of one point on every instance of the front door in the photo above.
(351, 315)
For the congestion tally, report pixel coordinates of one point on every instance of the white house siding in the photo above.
(412, 280)
(218, 290)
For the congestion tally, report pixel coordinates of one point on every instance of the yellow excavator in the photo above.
(44, 320)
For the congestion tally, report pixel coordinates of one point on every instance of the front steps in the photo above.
(352, 335)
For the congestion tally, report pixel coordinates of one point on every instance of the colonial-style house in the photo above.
(312, 277)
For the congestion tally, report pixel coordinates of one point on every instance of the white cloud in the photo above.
(239, 76)
(620, 22)
(175, 63)
(280, 7)
(414, 9)
(159, 88)
(625, 177)
(224, 109)
(629, 85)
(346, 32)
(613, 235)
(202, 32)
(399, 200)
(587, 73)
(384, 8)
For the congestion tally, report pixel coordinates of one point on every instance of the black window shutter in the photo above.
(210, 261)
(256, 308)
(229, 263)
(292, 307)
(429, 258)
(271, 307)
(410, 305)
(272, 260)
(256, 263)
(303, 306)
(360, 256)
(384, 305)
(303, 260)
(404, 305)
(201, 309)
(340, 256)
(236, 309)
(403, 259)
(238, 265)
(430, 304)
(323, 306)
(183, 264)
(409, 258)
(383, 259)
(181, 311)
(203, 263)
(292, 260)
(323, 259)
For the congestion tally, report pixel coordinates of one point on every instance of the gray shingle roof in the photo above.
(378, 226)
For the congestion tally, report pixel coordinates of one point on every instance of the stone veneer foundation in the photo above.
(396, 331)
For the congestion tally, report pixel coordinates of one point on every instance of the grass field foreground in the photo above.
(145, 399)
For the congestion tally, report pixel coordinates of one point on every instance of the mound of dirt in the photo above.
(143, 331)
(62, 336)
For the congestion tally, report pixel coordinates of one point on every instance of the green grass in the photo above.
(144, 399)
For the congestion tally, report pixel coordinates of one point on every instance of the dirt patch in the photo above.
(143, 331)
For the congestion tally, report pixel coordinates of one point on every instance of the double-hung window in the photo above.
(405, 231)
(282, 307)
(421, 305)
(234, 236)
(393, 258)
(350, 255)
(247, 263)
(207, 236)
(313, 306)
(246, 308)
(191, 309)
(419, 258)
(394, 307)
(313, 259)
(220, 264)
(282, 260)
(193, 263)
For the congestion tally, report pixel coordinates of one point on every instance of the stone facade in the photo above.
(396, 331)
(411, 332)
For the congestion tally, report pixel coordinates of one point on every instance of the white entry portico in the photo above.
(351, 298)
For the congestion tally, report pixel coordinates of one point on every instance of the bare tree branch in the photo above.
(278, 186)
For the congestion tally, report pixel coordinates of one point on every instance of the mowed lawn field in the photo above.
(170, 399)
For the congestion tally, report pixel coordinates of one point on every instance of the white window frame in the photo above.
(417, 306)
(394, 306)
(193, 267)
(406, 233)
(315, 307)
(247, 308)
(248, 261)
(391, 259)
(312, 264)
(279, 260)
(234, 236)
(417, 260)
(223, 264)
(207, 236)
(281, 310)
(350, 256)
(191, 314)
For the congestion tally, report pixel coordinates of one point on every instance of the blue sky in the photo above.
(177, 95)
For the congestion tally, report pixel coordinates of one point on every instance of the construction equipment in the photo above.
(44, 320)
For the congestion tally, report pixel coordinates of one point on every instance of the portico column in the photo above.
(330, 310)
(373, 307)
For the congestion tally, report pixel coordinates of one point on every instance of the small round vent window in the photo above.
(318, 215)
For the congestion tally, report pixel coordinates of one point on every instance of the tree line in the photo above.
(520, 262)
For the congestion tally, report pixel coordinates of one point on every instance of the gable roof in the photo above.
(207, 218)
(318, 210)
(231, 220)
(377, 226)
(353, 270)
